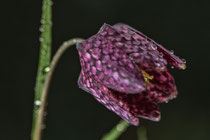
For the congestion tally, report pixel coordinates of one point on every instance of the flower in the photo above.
(126, 71)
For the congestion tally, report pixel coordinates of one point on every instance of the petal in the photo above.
(101, 94)
(142, 51)
(162, 87)
(124, 105)
(146, 110)
(106, 62)
(137, 104)
(172, 59)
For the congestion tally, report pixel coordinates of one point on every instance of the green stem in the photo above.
(44, 94)
(44, 59)
(116, 131)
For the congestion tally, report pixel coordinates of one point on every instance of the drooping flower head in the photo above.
(126, 71)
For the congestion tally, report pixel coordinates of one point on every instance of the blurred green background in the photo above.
(181, 25)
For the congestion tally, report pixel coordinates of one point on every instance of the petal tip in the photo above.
(183, 66)
(136, 122)
(157, 119)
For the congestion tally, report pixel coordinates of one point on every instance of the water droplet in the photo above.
(161, 54)
(50, 22)
(43, 126)
(119, 127)
(162, 68)
(41, 29)
(120, 103)
(40, 39)
(42, 21)
(173, 97)
(172, 51)
(51, 3)
(46, 69)
(45, 113)
(172, 67)
(157, 64)
(184, 60)
(37, 103)
(153, 46)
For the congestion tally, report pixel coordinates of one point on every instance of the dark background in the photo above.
(181, 25)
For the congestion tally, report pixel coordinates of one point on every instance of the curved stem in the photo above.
(39, 120)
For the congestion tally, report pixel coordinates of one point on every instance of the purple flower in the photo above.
(126, 71)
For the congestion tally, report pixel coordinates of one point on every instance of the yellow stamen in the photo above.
(147, 77)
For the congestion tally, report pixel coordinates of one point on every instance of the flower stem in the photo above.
(44, 59)
(116, 131)
(43, 100)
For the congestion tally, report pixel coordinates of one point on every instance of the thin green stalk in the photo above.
(44, 59)
(41, 111)
(116, 131)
